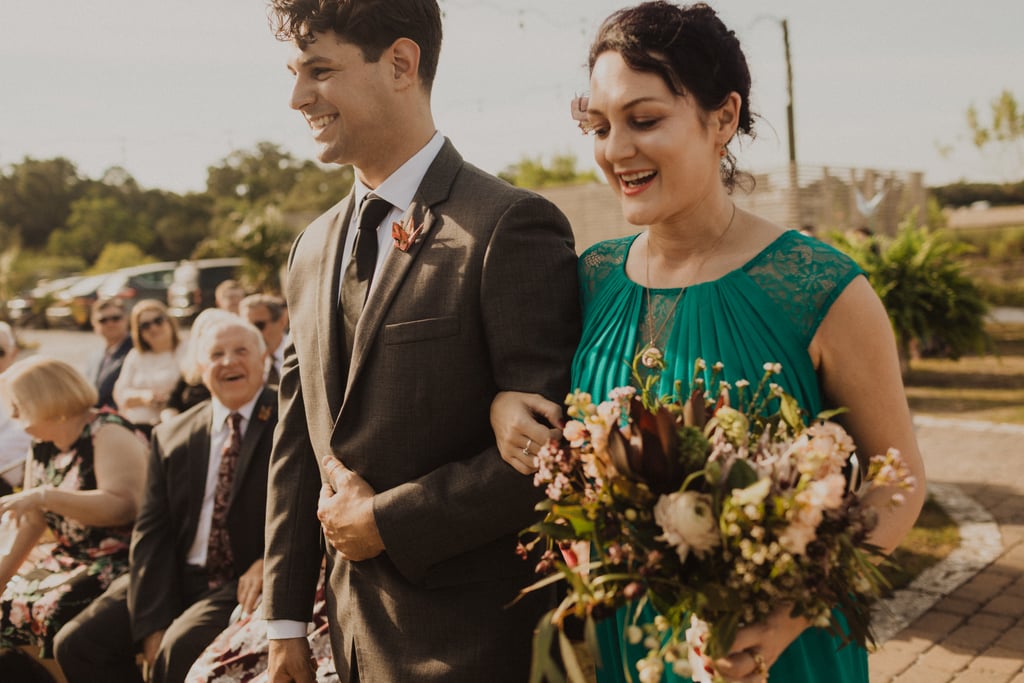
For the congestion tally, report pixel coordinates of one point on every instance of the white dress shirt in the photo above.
(220, 430)
(398, 189)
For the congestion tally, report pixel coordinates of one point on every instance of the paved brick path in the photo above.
(975, 634)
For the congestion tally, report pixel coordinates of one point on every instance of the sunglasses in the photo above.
(110, 319)
(3, 352)
(159, 320)
(261, 324)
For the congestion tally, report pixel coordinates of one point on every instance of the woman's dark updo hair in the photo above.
(692, 51)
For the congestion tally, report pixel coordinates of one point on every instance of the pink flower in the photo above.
(19, 614)
(578, 110)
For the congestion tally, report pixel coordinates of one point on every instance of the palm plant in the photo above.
(931, 301)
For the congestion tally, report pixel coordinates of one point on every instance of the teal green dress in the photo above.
(766, 311)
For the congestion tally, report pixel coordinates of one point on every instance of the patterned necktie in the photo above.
(355, 283)
(219, 561)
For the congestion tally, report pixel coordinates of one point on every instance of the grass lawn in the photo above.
(933, 537)
(989, 387)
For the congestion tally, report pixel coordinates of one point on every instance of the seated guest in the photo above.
(270, 316)
(228, 295)
(110, 321)
(190, 389)
(152, 368)
(14, 442)
(83, 483)
(197, 548)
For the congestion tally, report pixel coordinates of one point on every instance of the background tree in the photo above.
(532, 173)
(36, 197)
(1002, 126)
(119, 255)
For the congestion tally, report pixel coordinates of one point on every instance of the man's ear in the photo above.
(727, 118)
(404, 57)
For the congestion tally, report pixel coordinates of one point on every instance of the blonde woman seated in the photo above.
(83, 483)
(152, 368)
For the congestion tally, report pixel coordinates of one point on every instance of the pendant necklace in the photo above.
(652, 349)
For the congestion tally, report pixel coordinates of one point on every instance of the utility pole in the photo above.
(789, 93)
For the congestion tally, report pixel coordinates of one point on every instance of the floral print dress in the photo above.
(46, 594)
(240, 653)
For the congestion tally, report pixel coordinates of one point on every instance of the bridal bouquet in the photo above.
(713, 508)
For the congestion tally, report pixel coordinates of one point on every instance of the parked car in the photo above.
(71, 306)
(192, 289)
(28, 309)
(148, 281)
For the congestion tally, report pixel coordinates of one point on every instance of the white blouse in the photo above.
(143, 375)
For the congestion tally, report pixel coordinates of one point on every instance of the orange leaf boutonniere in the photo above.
(264, 413)
(406, 234)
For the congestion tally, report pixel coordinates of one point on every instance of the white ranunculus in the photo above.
(688, 521)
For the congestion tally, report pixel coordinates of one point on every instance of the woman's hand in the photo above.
(522, 424)
(25, 506)
(757, 647)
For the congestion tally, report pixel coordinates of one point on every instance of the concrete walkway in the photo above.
(964, 622)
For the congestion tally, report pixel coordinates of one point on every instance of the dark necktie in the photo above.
(219, 560)
(355, 283)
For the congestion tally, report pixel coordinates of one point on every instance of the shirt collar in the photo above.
(222, 412)
(400, 187)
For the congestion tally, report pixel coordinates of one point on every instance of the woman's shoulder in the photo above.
(803, 275)
(614, 250)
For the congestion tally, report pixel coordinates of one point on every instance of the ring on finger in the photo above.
(526, 448)
(760, 666)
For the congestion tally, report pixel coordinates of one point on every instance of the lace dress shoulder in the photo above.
(803, 276)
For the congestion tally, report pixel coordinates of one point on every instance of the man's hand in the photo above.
(290, 659)
(151, 645)
(250, 586)
(345, 511)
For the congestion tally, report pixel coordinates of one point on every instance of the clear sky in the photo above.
(168, 88)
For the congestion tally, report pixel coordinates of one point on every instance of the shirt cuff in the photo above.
(279, 629)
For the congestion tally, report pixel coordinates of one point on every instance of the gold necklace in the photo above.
(652, 346)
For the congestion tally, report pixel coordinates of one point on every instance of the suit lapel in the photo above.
(252, 436)
(329, 332)
(434, 189)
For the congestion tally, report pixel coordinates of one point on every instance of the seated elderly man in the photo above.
(197, 547)
(14, 442)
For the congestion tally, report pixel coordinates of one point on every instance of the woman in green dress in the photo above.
(704, 279)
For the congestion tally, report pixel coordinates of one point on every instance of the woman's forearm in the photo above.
(29, 533)
(91, 508)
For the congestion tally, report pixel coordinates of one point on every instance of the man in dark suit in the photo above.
(110, 321)
(197, 546)
(384, 406)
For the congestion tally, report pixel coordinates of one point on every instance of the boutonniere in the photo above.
(264, 413)
(406, 234)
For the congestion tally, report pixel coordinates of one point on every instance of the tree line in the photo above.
(54, 220)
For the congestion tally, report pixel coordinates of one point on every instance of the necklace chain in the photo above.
(653, 337)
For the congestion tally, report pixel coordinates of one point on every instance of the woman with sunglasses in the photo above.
(152, 368)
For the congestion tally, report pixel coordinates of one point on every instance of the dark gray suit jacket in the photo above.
(486, 301)
(167, 522)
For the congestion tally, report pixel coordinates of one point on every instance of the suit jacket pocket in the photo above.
(421, 330)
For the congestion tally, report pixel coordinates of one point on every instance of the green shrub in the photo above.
(919, 275)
